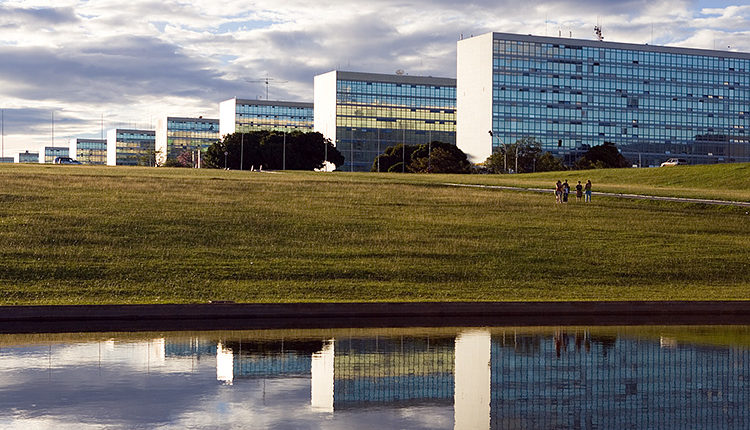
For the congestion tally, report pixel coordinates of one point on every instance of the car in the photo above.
(674, 162)
(65, 160)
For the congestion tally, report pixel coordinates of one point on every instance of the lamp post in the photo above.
(283, 154)
(242, 150)
(505, 152)
(225, 159)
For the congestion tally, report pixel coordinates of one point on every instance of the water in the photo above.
(478, 378)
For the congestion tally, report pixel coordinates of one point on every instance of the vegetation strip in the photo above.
(618, 195)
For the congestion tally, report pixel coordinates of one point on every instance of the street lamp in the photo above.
(283, 154)
(225, 159)
(505, 153)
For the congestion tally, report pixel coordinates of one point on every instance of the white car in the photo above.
(674, 162)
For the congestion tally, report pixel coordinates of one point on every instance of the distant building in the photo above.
(89, 151)
(653, 102)
(176, 135)
(363, 113)
(27, 157)
(47, 154)
(7, 160)
(242, 115)
(126, 147)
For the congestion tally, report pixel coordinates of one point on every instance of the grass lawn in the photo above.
(721, 181)
(80, 234)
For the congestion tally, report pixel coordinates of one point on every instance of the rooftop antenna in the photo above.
(598, 32)
(267, 80)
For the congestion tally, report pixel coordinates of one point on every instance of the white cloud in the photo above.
(134, 61)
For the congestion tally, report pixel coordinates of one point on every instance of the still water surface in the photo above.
(479, 378)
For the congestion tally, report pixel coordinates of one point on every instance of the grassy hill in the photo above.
(719, 181)
(80, 234)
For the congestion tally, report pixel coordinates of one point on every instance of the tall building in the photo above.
(89, 151)
(363, 113)
(654, 102)
(47, 154)
(241, 115)
(126, 147)
(7, 160)
(176, 135)
(27, 157)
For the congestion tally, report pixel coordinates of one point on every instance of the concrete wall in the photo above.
(112, 147)
(324, 96)
(161, 140)
(227, 117)
(474, 97)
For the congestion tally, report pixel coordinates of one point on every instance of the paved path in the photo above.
(619, 195)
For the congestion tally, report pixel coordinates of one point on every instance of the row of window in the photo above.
(283, 111)
(393, 89)
(192, 125)
(538, 49)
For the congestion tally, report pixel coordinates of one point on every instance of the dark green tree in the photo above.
(439, 157)
(531, 158)
(605, 156)
(394, 155)
(304, 151)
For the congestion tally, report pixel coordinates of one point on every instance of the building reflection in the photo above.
(492, 378)
(508, 380)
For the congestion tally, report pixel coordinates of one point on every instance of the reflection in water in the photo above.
(648, 377)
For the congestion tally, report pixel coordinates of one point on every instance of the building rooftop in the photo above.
(396, 79)
(618, 45)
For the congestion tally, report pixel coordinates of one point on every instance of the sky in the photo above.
(100, 64)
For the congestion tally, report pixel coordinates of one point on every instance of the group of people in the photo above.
(562, 189)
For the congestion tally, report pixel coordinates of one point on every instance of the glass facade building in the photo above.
(89, 151)
(363, 113)
(241, 115)
(654, 102)
(47, 154)
(126, 147)
(177, 135)
(27, 157)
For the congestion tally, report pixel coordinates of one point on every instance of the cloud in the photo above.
(140, 59)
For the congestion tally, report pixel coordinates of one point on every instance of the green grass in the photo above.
(79, 234)
(721, 181)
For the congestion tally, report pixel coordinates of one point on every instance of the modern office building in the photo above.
(363, 113)
(126, 147)
(242, 115)
(175, 135)
(47, 154)
(27, 157)
(89, 151)
(7, 160)
(654, 102)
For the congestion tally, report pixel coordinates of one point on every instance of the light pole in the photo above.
(403, 150)
(517, 145)
(283, 153)
(225, 159)
(242, 150)
(505, 152)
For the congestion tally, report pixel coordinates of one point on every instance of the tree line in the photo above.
(298, 150)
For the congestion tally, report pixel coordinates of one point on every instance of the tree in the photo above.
(603, 156)
(302, 151)
(394, 155)
(439, 157)
(531, 158)
(423, 158)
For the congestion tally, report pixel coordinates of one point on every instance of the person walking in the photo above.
(566, 191)
(558, 192)
(588, 191)
(579, 191)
